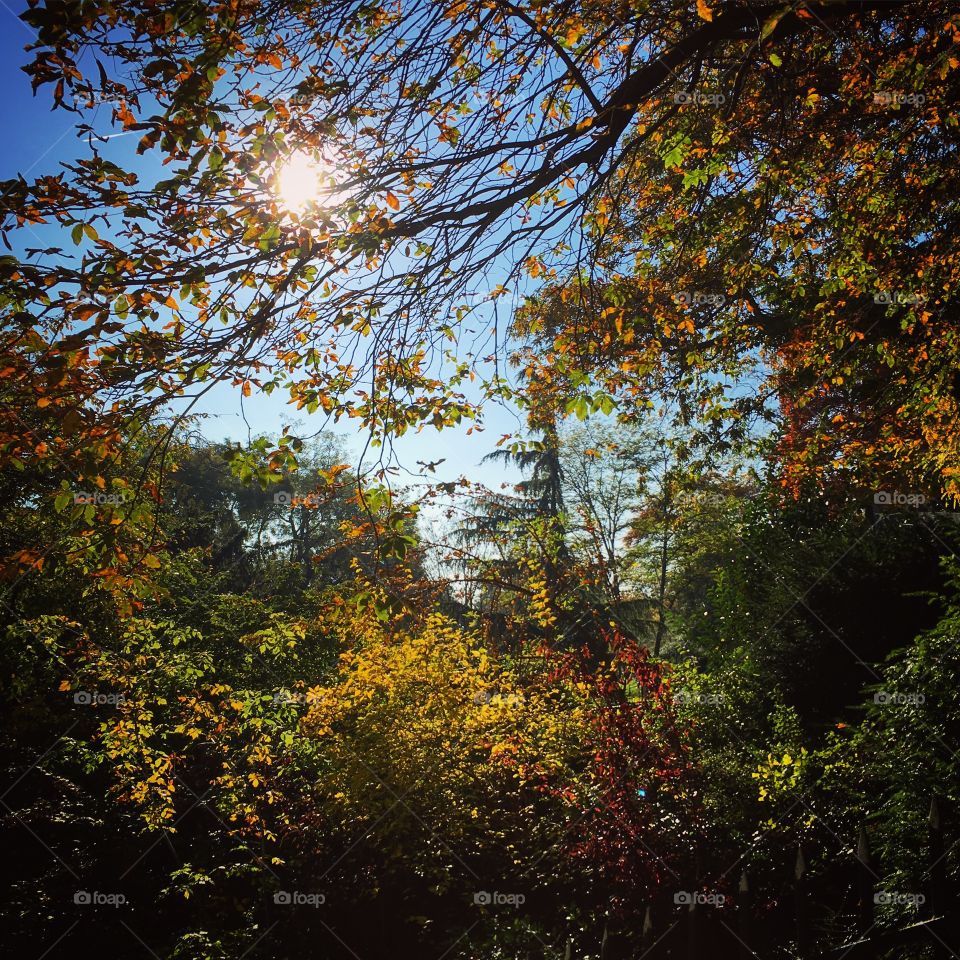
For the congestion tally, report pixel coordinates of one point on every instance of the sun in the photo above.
(301, 182)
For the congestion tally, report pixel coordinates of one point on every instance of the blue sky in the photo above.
(39, 139)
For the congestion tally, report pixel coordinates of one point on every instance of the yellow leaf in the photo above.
(392, 201)
(703, 10)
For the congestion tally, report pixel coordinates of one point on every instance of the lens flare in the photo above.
(301, 182)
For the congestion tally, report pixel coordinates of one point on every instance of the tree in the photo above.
(810, 595)
(601, 481)
(515, 544)
(302, 518)
(686, 520)
(714, 188)
(649, 520)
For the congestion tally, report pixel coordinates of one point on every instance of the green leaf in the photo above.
(675, 155)
(771, 24)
